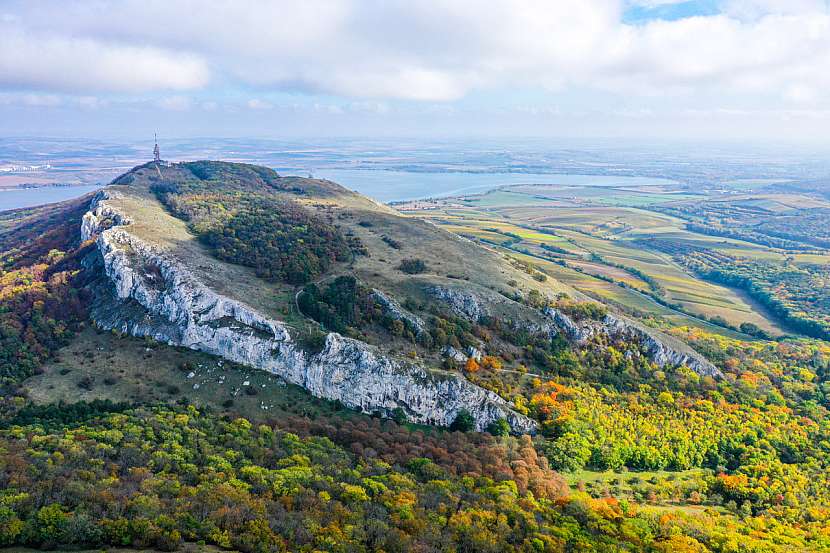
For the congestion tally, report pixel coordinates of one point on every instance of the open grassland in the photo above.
(811, 259)
(652, 489)
(774, 203)
(613, 293)
(598, 220)
(694, 294)
(105, 365)
(615, 273)
(506, 198)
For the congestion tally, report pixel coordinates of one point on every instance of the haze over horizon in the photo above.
(704, 70)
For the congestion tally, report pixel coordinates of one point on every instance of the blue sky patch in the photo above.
(670, 12)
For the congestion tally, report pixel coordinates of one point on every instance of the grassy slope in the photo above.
(123, 368)
(451, 261)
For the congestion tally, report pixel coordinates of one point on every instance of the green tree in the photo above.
(464, 421)
(499, 427)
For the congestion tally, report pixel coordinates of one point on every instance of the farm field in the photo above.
(618, 245)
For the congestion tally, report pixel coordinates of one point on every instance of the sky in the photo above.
(735, 70)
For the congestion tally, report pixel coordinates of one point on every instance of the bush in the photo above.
(499, 427)
(412, 266)
(344, 303)
(584, 310)
(399, 415)
(464, 422)
(313, 342)
(754, 330)
(394, 244)
(281, 239)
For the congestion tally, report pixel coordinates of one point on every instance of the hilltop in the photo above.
(325, 288)
(329, 290)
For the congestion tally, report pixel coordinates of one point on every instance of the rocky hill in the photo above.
(330, 291)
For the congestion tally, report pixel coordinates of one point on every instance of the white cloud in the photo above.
(379, 108)
(801, 94)
(753, 9)
(49, 61)
(175, 103)
(90, 102)
(41, 100)
(654, 3)
(426, 51)
(31, 100)
(255, 103)
(332, 109)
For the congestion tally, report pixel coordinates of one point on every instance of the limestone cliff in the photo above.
(396, 312)
(143, 291)
(462, 303)
(662, 350)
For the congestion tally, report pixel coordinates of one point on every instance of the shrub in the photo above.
(499, 427)
(87, 382)
(394, 244)
(464, 422)
(281, 239)
(412, 266)
(342, 304)
(399, 415)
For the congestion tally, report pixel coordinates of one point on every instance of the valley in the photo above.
(627, 246)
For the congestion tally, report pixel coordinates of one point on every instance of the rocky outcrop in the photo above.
(451, 353)
(475, 353)
(100, 216)
(577, 333)
(462, 303)
(143, 291)
(662, 350)
(393, 310)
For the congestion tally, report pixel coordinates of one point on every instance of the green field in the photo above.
(603, 234)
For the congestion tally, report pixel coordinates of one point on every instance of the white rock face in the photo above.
(152, 294)
(100, 216)
(662, 350)
(392, 309)
(462, 303)
(454, 354)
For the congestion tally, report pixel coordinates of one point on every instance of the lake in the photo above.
(385, 186)
(389, 186)
(28, 197)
